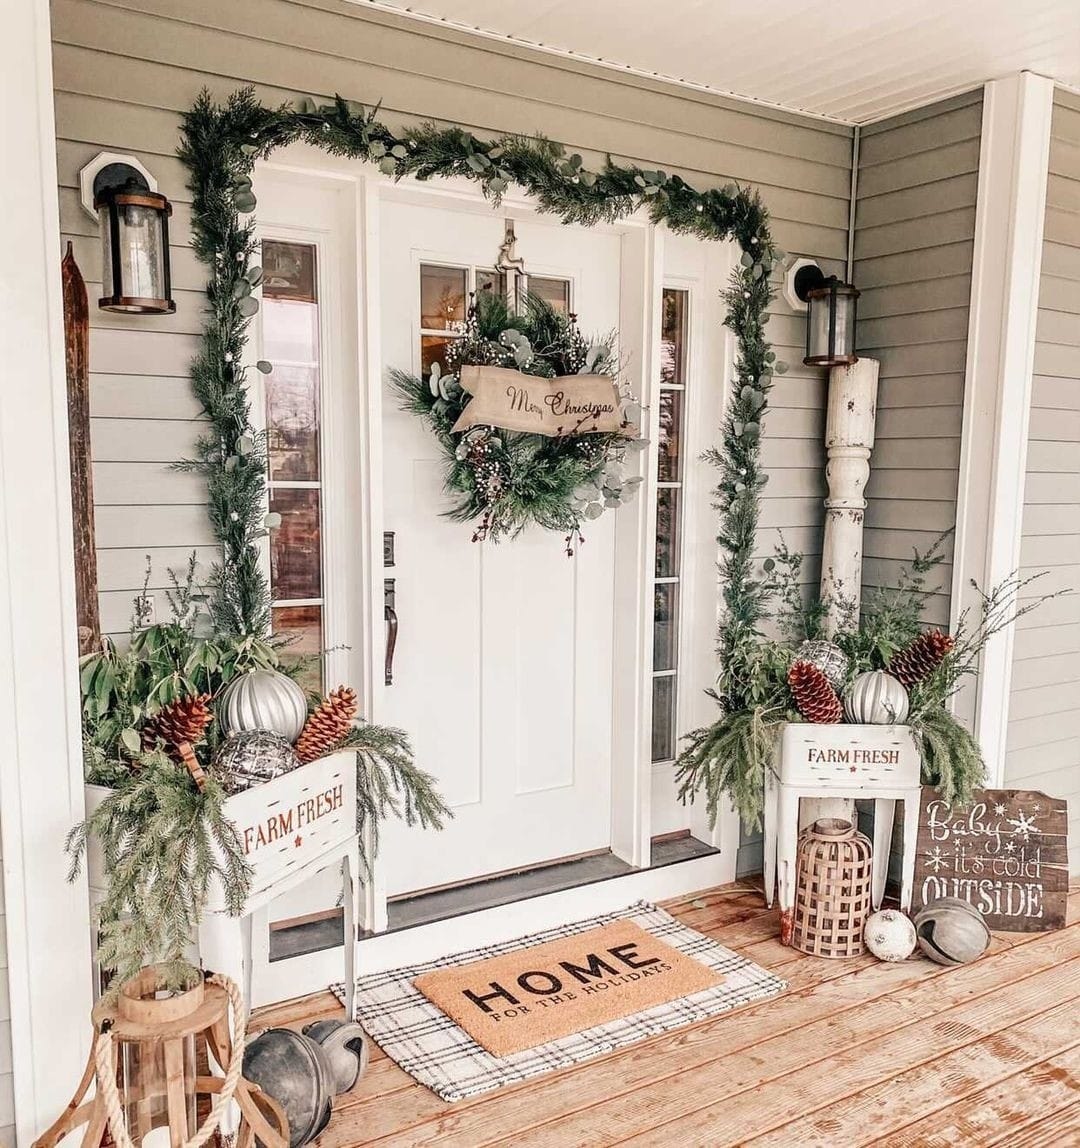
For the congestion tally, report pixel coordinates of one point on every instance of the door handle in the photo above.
(391, 628)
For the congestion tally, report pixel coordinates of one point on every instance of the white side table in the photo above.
(880, 762)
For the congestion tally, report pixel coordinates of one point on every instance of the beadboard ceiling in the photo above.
(855, 62)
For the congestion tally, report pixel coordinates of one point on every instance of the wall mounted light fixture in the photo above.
(133, 220)
(830, 307)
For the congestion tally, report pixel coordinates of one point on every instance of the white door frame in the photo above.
(1007, 261)
(642, 271)
(41, 776)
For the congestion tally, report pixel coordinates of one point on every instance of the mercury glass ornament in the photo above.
(889, 935)
(829, 659)
(250, 757)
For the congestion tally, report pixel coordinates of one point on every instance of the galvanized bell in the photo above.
(293, 1069)
(344, 1048)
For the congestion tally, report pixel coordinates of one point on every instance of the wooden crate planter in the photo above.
(878, 762)
(291, 828)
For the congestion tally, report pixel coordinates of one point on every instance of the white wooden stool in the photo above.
(880, 762)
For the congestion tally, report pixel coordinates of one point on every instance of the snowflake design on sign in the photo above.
(936, 859)
(1023, 826)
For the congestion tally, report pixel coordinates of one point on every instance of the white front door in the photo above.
(502, 673)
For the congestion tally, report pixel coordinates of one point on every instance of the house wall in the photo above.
(1043, 742)
(126, 69)
(914, 239)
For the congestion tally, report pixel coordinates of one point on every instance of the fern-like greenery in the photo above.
(389, 783)
(731, 756)
(165, 845)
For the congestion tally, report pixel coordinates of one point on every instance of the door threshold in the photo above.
(448, 902)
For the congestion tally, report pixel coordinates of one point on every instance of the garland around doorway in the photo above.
(220, 145)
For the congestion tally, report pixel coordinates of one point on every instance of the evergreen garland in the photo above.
(221, 143)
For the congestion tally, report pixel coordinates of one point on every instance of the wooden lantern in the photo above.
(144, 1059)
(833, 873)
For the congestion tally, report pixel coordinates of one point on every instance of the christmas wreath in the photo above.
(505, 480)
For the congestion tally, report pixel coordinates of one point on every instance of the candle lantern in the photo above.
(134, 224)
(830, 324)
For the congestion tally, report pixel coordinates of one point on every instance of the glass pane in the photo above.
(290, 331)
(443, 291)
(554, 291)
(490, 283)
(433, 350)
(142, 263)
(667, 532)
(665, 625)
(669, 458)
(295, 545)
(673, 336)
(292, 422)
(303, 624)
(663, 718)
(289, 271)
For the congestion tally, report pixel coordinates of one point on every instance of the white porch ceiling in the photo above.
(856, 62)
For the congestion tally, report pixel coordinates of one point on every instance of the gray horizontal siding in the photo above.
(1043, 742)
(914, 237)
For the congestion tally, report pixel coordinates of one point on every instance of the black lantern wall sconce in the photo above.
(133, 220)
(830, 307)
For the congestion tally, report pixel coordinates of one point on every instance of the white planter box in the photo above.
(848, 756)
(286, 826)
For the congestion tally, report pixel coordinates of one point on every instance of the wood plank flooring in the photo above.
(853, 1053)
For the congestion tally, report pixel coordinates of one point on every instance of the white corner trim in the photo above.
(41, 791)
(1014, 156)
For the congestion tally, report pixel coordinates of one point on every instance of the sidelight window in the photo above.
(293, 398)
(669, 514)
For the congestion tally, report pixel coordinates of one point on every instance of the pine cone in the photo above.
(921, 658)
(815, 699)
(327, 725)
(182, 721)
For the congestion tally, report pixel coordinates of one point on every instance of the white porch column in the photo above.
(48, 937)
(1014, 156)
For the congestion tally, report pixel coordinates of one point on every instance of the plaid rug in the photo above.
(441, 1055)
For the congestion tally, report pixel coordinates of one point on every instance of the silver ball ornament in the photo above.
(829, 659)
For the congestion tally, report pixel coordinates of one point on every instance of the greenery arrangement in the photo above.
(222, 141)
(505, 480)
(755, 696)
(165, 839)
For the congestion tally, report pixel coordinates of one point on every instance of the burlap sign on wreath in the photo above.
(532, 404)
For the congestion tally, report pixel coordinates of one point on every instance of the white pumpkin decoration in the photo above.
(876, 698)
(889, 935)
(952, 931)
(829, 659)
(263, 699)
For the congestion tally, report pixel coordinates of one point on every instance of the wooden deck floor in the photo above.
(855, 1052)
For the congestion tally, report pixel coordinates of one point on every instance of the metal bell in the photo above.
(292, 1069)
(345, 1049)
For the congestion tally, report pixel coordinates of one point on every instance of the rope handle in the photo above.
(106, 1074)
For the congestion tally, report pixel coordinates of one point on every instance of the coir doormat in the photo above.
(658, 973)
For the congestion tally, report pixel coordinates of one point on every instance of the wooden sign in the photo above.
(568, 405)
(1006, 853)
